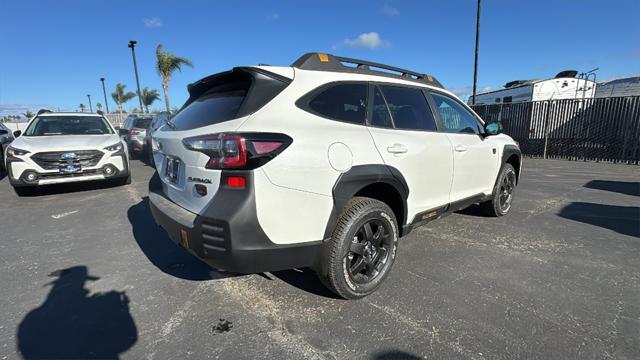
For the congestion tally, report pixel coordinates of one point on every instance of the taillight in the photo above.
(238, 150)
(134, 132)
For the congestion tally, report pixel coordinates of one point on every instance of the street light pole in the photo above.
(475, 62)
(90, 107)
(104, 92)
(132, 45)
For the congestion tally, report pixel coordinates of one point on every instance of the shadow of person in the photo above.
(164, 253)
(72, 324)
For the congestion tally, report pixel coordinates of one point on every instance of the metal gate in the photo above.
(599, 129)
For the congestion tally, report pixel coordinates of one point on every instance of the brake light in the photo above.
(238, 150)
(134, 132)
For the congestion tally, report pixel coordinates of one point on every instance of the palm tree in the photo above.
(81, 107)
(28, 114)
(120, 96)
(148, 97)
(166, 65)
(99, 106)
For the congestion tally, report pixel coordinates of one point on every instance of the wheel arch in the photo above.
(380, 182)
(512, 155)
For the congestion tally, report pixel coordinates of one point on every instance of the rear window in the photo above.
(141, 123)
(409, 108)
(227, 96)
(341, 102)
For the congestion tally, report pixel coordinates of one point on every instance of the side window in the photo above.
(343, 102)
(380, 114)
(409, 108)
(455, 118)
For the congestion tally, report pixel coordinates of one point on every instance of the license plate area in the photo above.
(172, 169)
(70, 168)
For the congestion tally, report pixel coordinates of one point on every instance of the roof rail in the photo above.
(44, 111)
(328, 62)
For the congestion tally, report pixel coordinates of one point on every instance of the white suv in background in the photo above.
(66, 147)
(322, 165)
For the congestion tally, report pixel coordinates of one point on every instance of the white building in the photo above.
(565, 85)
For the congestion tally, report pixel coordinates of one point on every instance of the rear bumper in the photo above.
(228, 237)
(135, 143)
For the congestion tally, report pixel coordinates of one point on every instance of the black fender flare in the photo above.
(507, 152)
(358, 177)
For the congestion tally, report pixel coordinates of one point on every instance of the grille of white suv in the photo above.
(53, 159)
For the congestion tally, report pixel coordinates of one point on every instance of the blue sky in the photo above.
(53, 52)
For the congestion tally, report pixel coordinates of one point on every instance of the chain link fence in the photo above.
(600, 129)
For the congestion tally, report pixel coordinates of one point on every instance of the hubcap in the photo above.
(507, 186)
(369, 251)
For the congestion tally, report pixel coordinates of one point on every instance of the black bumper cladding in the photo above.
(227, 235)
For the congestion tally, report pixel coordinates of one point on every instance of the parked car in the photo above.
(158, 121)
(322, 165)
(66, 147)
(6, 137)
(134, 131)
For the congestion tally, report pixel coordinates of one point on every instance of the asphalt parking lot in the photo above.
(86, 273)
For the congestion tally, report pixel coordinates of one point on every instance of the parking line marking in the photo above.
(60, 216)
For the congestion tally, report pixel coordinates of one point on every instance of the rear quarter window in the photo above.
(345, 102)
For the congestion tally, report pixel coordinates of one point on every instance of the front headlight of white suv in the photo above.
(11, 151)
(115, 147)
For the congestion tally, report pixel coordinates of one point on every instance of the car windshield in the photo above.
(141, 123)
(68, 125)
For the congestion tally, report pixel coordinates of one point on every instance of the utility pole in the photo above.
(104, 92)
(90, 107)
(475, 62)
(132, 45)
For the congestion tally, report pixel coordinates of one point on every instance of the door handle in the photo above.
(460, 148)
(397, 149)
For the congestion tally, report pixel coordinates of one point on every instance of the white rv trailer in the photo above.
(564, 86)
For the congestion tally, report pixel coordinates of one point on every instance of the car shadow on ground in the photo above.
(73, 324)
(395, 355)
(622, 187)
(472, 210)
(621, 219)
(74, 187)
(305, 279)
(164, 253)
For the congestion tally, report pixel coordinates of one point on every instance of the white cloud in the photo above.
(153, 22)
(390, 11)
(466, 91)
(369, 40)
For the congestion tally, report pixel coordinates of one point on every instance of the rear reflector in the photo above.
(236, 181)
(265, 147)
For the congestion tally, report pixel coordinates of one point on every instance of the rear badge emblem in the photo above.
(199, 180)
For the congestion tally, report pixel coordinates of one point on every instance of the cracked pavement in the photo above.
(559, 277)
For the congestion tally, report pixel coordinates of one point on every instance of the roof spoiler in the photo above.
(328, 62)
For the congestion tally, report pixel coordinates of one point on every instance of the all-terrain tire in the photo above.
(335, 265)
(503, 193)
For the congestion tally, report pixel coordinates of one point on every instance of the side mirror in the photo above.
(17, 133)
(122, 132)
(493, 128)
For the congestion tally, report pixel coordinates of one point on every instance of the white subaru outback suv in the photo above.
(322, 164)
(66, 147)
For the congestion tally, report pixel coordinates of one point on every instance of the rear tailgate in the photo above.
(218, 104)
